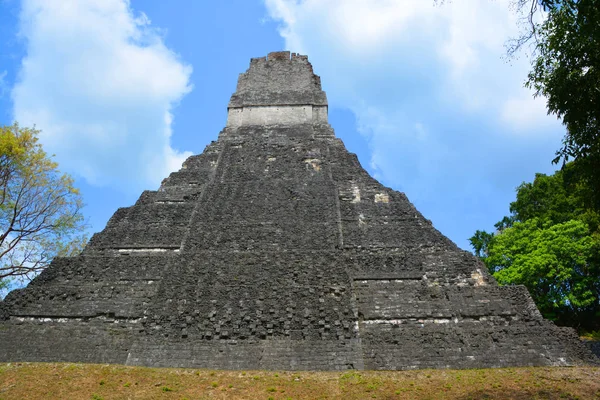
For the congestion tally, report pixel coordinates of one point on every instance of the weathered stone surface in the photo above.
(594, 346)
(275, 249)
(279, 79)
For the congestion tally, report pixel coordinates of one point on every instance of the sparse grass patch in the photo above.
(82, 381)
(371, 387)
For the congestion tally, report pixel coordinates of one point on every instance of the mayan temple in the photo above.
(275, 249)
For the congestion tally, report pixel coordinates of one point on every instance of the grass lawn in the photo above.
(89, 381)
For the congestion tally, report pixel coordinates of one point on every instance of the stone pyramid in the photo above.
(274, 249)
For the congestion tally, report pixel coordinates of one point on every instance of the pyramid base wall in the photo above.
(96, 342)
(379, 348)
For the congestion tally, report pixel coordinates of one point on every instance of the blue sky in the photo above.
(124, 91)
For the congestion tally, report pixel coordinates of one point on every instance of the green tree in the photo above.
(566, 70)
(480, 242)
(550, 243)
(39, 208)
(552, 261)
(557, 198)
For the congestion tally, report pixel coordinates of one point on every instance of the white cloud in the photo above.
(397, 64)
(100, 84)
(525, 114)
(446, 117)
